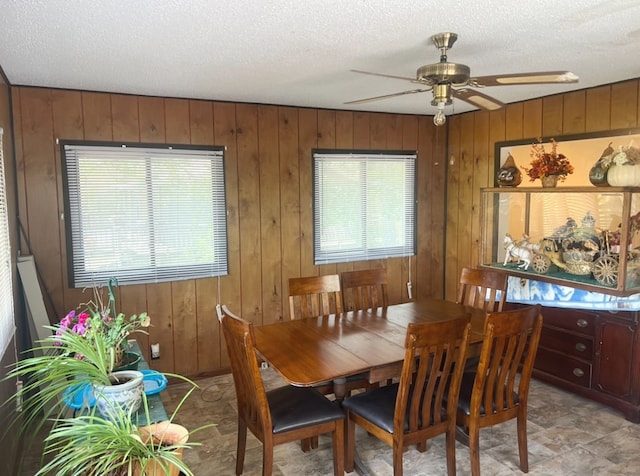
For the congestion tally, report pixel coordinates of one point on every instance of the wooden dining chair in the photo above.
(364, 289)
(484, 289)
(498, 391)
(414, 410)
(278, 416)
(313, 296)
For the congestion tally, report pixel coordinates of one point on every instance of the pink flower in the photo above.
(68, 319)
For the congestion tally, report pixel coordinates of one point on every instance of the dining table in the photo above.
(306, 352)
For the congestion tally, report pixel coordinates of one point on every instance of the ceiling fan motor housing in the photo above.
(452, 73)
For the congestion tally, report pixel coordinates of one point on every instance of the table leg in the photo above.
(339, 389)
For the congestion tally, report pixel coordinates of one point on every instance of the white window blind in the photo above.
(144, 214)
(364, 205)
(7, 325)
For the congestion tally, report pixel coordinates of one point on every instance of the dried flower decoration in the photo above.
(545, 164)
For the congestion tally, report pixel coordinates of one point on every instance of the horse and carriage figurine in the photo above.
(580, 250)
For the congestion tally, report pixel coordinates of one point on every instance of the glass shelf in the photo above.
(566, 235)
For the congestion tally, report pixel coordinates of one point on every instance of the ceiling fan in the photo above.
(448, 80)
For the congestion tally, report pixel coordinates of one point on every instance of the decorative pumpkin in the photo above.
(624, 175)
(598, 176)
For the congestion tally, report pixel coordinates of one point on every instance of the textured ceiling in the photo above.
(300, 52)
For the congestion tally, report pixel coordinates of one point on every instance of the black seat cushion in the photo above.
(296, 407)
(466, 388)
(377, 406)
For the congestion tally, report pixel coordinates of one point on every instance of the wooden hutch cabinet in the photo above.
(586, 281)
(594, 354)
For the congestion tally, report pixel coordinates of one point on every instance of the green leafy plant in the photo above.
(91, 445)
(83, 349)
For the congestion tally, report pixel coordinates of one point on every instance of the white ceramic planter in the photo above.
(125, 393)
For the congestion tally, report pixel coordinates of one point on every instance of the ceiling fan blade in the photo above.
(412, 91)
(541, 77)
(413, 80)
(477, 98)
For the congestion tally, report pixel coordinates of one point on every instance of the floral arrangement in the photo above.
(101, 328)
(546, 164)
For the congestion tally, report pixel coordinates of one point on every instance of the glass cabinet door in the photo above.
(578, 236)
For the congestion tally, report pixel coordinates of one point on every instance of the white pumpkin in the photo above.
(623, 175)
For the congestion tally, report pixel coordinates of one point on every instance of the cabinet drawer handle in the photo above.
(580, 347)
(578, 372)
(582, 323)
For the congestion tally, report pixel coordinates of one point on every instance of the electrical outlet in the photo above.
(264, 365)
(155, 351)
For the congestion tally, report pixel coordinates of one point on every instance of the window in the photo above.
(6, 290)
(143, 213)
(364, 205)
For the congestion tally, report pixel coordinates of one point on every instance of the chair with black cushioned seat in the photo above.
(414, 410)
(499, 389)
(313, 296)
(484, 289)
(278, 416)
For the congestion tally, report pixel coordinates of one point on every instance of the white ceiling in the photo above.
(300, 52)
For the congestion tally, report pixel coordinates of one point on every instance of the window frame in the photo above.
(7, 314)
(364, 253)
(80, 277)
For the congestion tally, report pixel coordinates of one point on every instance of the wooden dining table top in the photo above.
(309, 351)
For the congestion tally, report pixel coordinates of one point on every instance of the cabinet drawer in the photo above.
(576, 345)
(566, 368)
(570, 319)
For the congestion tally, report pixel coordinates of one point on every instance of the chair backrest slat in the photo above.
(314, 296)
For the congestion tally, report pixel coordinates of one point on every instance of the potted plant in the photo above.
(83, 350)
(90, 444)
(81, 354)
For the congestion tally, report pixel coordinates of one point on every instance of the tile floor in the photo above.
(568, 436)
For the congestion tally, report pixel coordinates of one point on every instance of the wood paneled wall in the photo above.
(472, 137)
(268, 179)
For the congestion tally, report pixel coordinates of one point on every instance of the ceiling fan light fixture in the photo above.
(439, 119)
